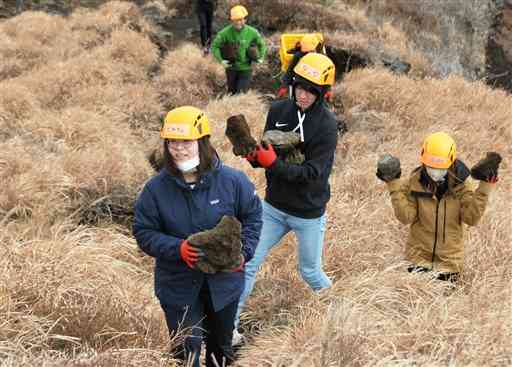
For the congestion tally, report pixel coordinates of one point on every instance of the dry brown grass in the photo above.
(74, 129)
(189, 78)
(76, 289)
(47, 39)
(63, 163)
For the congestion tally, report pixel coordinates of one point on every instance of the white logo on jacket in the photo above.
(280, 124)
(216, 201)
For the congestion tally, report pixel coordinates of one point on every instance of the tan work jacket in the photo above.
(436, 234)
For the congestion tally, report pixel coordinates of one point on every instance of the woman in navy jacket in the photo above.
(190, 195)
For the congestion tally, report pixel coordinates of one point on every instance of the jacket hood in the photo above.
(457, 174)
(460, 172)
(317, 90)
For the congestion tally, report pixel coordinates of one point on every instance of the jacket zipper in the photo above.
(444, 223)
(435, 235)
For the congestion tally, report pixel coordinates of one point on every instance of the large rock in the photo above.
(285, 145)
(499, 50)
(221, 246)
(467, 37)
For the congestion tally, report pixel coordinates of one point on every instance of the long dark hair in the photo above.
(207, 158)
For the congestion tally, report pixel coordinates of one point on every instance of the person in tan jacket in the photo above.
(436, 200)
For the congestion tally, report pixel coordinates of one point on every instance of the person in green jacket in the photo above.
(236, 47)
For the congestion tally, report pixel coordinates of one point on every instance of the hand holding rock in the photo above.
(388, 168)
(221, 246)
(487, 168)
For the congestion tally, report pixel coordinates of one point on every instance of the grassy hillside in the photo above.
(81, 100)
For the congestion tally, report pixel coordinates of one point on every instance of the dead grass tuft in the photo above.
(85, 289)
(189, 83)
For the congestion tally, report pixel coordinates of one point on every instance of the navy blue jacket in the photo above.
(302, 190)
(168, 210)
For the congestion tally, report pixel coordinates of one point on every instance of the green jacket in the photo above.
(243, 39)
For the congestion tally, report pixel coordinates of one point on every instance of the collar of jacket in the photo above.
(203, 182)
(422, 186)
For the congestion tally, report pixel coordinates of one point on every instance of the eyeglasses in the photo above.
(182, 145)
(180, 142)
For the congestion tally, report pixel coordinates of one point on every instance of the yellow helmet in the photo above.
(439, 151)
(238, 12)
(316, 68)
(185, 123)
(309, 42)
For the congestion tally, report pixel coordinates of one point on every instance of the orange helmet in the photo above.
(439, 151)
(238, 12)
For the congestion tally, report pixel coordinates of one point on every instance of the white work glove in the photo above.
(225, 63)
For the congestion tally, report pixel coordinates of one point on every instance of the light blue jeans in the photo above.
(310, 237)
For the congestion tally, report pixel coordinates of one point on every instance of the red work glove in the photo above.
(189, 254)
(265, 156)
(251, 157)
(240, 268)
(493, 179)
(281, 92)
(328, 95)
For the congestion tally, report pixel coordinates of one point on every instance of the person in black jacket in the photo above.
(309, 43)
(192, 194)
(297, 194)
(205, 10)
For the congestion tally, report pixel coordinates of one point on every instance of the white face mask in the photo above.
(437, 174)
(188, 165)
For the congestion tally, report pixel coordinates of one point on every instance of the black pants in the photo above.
(238, 81)
(199, 318)
(447, 277)
(205, 16)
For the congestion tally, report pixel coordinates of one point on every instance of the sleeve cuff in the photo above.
(486, 187)
(393, 185)
(276, 166)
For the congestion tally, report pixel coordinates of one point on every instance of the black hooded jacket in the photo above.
(302, 190)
